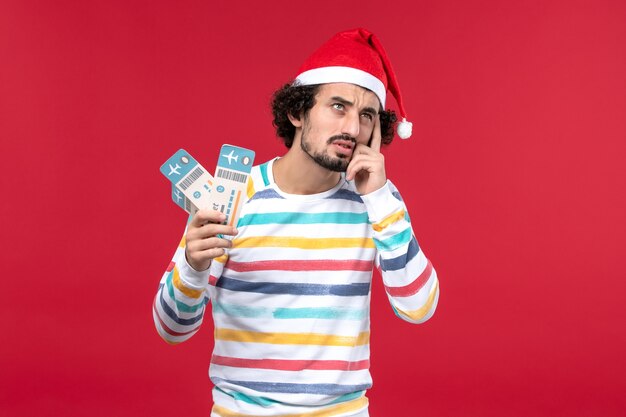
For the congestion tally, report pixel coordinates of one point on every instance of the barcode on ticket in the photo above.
(231, 175)
(194, 175)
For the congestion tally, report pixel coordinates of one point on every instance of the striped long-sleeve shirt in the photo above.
(291, 298)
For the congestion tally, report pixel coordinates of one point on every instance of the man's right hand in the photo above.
(202, 242)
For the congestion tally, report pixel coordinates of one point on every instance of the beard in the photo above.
(338, 163)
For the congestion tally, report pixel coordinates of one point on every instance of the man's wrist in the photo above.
(191, 276)
(381, 203)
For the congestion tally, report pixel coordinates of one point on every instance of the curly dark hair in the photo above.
(294, 99)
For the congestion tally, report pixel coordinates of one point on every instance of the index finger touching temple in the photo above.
(376, 135)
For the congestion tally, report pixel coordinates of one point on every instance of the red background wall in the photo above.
(514, 177)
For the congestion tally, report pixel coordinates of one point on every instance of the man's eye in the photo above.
(338, 106)
(368, 116)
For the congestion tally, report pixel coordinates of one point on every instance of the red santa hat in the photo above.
(356, 57)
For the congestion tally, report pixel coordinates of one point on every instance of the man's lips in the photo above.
(343, 146)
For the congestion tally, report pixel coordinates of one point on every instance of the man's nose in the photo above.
(351, 125)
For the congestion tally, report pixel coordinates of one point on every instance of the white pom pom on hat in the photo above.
(356, 56)
(405, 129)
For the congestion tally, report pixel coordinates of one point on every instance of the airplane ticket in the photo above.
(190, 179)
(194, 188)
(231, 179)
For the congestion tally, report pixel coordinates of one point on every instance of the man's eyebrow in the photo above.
(370, 110)
(342, 100)
(345, 102)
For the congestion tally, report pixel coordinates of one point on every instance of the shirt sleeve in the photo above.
(183, 295)
(181, 299)
(410, 280)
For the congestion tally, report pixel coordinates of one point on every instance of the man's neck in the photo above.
(297, 173)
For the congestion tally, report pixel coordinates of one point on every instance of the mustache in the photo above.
(341, 137)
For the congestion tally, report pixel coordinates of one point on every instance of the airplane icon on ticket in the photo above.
(174, 170)
(178, 196)
(230, 156)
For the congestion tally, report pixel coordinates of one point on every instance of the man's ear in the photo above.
(296, 121)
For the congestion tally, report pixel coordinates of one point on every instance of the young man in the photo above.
(290, 286)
